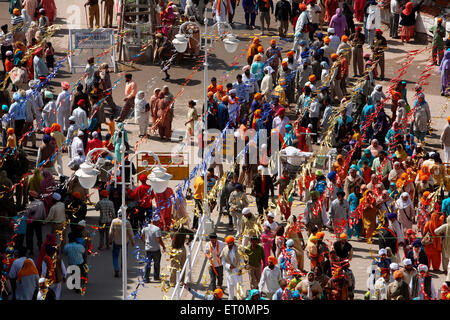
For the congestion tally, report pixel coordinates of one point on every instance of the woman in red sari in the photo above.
(359, 10)
(330, 9)
(50, 9)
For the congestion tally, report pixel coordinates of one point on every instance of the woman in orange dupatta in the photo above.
(27, 281)
(253, 50)
(433, 250)
(369, 214)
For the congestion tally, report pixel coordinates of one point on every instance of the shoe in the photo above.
(157, 279)
(116, 274)
(146, 280)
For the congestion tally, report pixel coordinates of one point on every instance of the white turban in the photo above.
(382, 251)
(407, 262)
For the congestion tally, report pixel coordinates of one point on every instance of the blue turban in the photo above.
(46, 138)
(392, 215)
(320, 35)
(331, 175)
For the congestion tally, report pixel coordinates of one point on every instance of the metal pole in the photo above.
(205, 111)
(124, 221)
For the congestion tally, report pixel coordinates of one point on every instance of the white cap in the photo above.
(95, 134)
(246, 211)
(394, 266)
(80, 133)
(270, 214)
(310, 126)
(72, 118)
(290, 243)
(382, 251)
(82, 223)
(260, 167)
(269, 69)
(330, 30)
(42, 280)
(407, 262)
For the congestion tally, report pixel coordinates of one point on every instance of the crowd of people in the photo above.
(383, 185)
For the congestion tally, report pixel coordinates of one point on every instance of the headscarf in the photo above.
(445, 63)
(433, 224)
(47, 182)
(252, 293)
(310, 283)
(367, 157)
(337, 166)
(401, 155)
(49, 240)
(404, 204)
(28, 269)
(408, 9)
(425, 199)
(289, 135)
(256, 116)
(35, 181)
(424, 173)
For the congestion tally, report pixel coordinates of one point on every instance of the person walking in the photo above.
(213, 250)
(232, 262)
(394, 18)
(283, 14)
(94, 13)
(357, 40)
(130, 94)
(108, 13)
(264, 7)
(115, 238)
(153, 244)
(437, 45)
(107, 214)
(255, 259)
(378, 48)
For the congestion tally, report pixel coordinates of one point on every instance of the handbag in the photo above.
(427, 239)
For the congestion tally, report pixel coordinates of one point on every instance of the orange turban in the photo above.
(343, 236)
(344, 38)
(334, 56)
(225, 99)
(284, 63)
(272, 259)
(255, 40)
(398, 274)
(76, 195)
(229, 239)
(326, 40)
(10, 131)
(272, 42)
(312, 77)
(320, 235)
(258, 57)
(218, 292)
(55, 127)
(219, 87)
(290, 54)
(258, 96)
(210, 94)
(260, 49)
(448, 119)
(302, 6)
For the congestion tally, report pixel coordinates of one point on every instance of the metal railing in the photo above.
(190, 260)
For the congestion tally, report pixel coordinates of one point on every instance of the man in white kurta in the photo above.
(80, 117)
(221, 9)
(63, 106)
(77, 145)
(231, 260)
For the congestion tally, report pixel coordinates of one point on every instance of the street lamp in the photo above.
(87, 175)
(231, 44)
